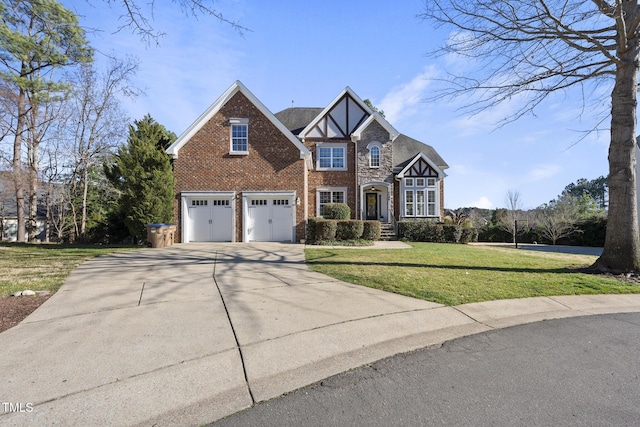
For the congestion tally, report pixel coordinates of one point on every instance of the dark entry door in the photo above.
(372, 205)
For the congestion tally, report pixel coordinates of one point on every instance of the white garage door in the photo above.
(269, 219)
(210, 220)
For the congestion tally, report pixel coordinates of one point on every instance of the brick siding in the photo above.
(273, 162)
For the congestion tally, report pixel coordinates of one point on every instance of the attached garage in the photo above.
(208, 217)
(269, 216)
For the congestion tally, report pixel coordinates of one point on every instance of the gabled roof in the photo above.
(297, 118)
(332, 104)
(357, 134)
(413, 161)
(218, 104)
(405, 149)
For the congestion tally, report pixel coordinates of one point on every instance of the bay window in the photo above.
(420, 197)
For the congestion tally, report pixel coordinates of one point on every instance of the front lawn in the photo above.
(458, 274)
(43, 266)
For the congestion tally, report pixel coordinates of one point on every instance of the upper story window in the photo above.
(374, 154)
(331, 156)
(239, 136)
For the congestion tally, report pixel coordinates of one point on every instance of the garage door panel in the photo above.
(282, 223)
(269, 219)
(199, 217)
(258, 223)
(222, 230)
(210, 220)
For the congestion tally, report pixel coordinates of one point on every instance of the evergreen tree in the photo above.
(143, 174)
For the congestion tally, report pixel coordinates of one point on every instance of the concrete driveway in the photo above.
(191, 333)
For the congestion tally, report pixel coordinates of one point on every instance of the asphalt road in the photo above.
(579, 371)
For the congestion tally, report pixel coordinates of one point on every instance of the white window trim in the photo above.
(370, 146)
(426, 189)
(332, 189)
(237, 121)
(331, 145)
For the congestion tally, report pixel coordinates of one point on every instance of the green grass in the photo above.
(458, 274)
(43, 266)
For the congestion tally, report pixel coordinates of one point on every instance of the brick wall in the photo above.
(318, 179)
(273, 162)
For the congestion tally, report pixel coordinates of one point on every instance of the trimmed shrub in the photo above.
(371, 230)
(493, 233)
(436, 233)
(428, 231)
(311, 228)
(340, 211)
(469, 235)
(349, 229)
(326, 229)
(451, 233)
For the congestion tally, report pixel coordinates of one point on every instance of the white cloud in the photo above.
(403, 99)
(542, 172)
(483, 203)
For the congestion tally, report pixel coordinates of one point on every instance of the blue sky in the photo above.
(304, 53)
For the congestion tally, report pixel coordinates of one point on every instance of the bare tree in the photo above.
(512, 221)
(558, 219)
(139, 18)
(96, 125)
(533, 48)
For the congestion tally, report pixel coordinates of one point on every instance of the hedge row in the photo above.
(319, 229)
(427, 231)
(336, 211)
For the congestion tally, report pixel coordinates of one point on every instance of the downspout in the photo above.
(357, 191)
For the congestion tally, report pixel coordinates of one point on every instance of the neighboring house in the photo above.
(245, 174)
(9, 213)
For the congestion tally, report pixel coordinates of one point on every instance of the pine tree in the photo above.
(143, 174)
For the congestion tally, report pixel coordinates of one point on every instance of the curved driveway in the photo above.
(191, 333)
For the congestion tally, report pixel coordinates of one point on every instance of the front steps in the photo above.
(387, 232)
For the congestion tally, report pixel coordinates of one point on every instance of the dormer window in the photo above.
(239, 136)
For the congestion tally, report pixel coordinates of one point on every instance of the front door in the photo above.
(372, 206)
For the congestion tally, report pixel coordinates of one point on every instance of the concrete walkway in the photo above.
(191, 333)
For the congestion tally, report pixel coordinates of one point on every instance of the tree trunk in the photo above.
(85, 192)
(622, 242)
(17, 166)
(34, 164)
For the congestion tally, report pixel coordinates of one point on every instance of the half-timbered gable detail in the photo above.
(328, 137)
(421, 167)
(340, 119)
(421, 189)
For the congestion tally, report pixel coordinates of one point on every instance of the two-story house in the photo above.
(246, 174)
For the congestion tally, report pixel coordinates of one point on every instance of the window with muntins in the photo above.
(239, 138)
(408, 203)
(331, 156)
(374, 157)
(420, 197)
(329, 196)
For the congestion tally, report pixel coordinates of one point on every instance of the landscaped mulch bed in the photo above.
(14, 309)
